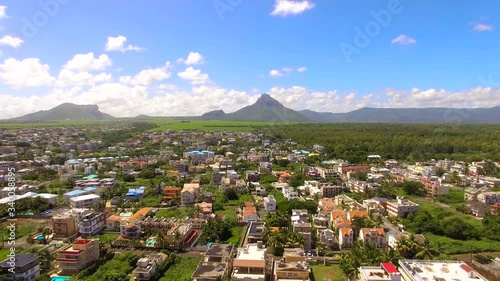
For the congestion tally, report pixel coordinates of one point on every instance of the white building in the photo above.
(91, 224)
(290, 193)
(250, 264)
(489, 198)
(416, 270)
(270, 203)
(401, 207)
(85, 201)
(385, 272)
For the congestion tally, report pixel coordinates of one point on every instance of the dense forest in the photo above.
(412, 142)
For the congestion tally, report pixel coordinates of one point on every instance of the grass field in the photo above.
(215, 125)
(327, 273)
(179, 213)
(182, 270)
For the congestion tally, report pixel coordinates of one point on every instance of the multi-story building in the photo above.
(270, 203)
(375, 236)
(91, 224)
(79, 255)
(327, 237)
(489, 198)
(291, 270)
(189, 193)
(64, 226)
(416, 270)
(250, 263)
(402, 207)
(328, 190)
(358, 186)
(254, 232)
(20, 267)
(85, 201)
(149, 267)
(170, 192)
(130, 229)
(301, 224)
(346, 237)
(215, 264)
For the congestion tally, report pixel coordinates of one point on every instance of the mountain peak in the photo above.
(65, 111)
(267, 100)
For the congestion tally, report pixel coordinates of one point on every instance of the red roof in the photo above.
(82, 242)
(389, 267)
(466, 267)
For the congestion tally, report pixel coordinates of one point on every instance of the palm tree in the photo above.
(294, 239)
(266, 233)
(392, 255)
(407, 246)
(427, 252)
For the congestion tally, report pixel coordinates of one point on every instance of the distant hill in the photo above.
(410, 115)
(65, 111)
(265, 109)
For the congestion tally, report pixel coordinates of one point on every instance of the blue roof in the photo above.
(73, 161)
(75, 192)
(304, 151)
(90, 188)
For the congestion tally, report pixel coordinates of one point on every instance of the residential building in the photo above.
(73, 193)
(135, 194)
(85, 201)
(189, 193)
(291, 270)
(79, 255)
(254, 232)
(416, 270)
(170, 192)
(270, 203)
(301, 224)
(402, 207)
(91, 224)
(328, 190)
(205, 208)
(249, 213)
(289, 193)
(489, 198)
(149, 267)
(20, 267)
(64, 226)
(346, 237)
(358, 186)
(375, 236)
(250, 263)
(387, 271)
(215, 264)
(327, 237)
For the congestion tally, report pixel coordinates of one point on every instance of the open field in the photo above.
(215, 125)
(327, 273)
(181, 270)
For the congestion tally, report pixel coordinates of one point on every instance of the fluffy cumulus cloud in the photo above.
(87, 62)
(291, 7)
(404, 40)
(27, 73)
(118, 44)
(192, 58)
(275, 73)
(11, 41)
(194, 75)
(148, 76)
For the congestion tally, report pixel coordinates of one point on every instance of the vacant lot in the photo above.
(327, 273)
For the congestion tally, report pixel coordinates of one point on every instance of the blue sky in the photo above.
(427, 53)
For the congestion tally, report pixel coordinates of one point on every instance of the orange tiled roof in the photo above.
(367, 231)
(346, 231)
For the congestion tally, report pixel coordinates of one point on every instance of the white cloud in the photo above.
(147, 76)
(69, 78)
(403, 40)
(275, 73)
(291, 7)
(11, 41)
(192, 58)
(167, 87)
(302, 69)
(118, 44)
(193, 75)
(87, 62)
(480, 27)
(27, 73)
(287, 69)
(3, 12)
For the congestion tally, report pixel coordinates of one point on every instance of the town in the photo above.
(130, 202)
